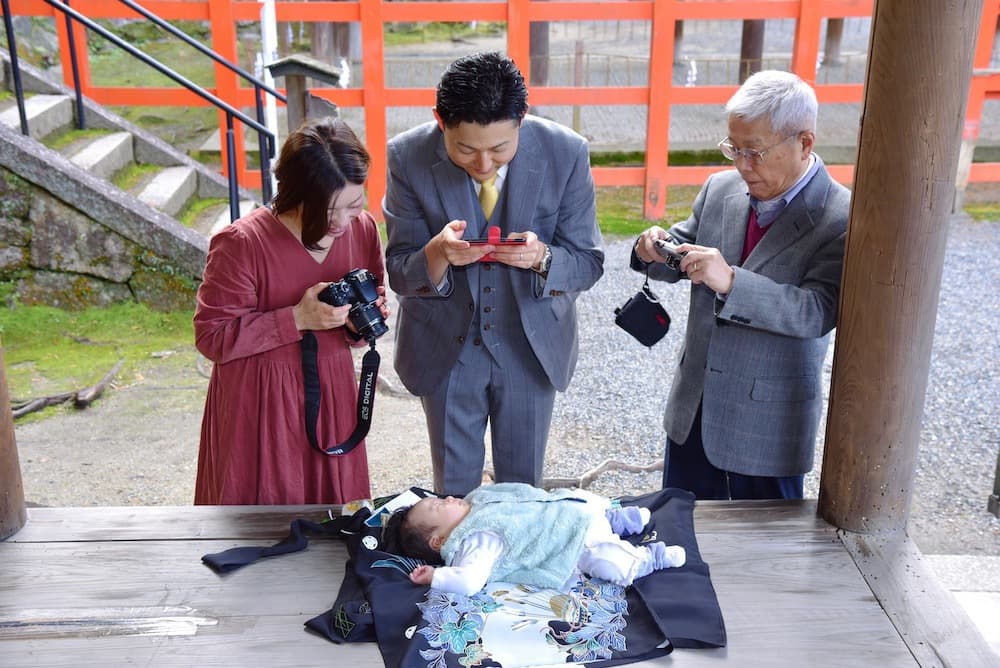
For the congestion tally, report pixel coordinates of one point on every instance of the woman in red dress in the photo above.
(257, 299)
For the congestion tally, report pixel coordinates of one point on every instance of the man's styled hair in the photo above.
(788, 101)
(482, 88)
(412, 539)
(316, 162)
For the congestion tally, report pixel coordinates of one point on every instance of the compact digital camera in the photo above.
(667, 248)
(357, 288)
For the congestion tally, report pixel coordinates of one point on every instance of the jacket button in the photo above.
(488, 309)
(460, 339)
(477, 341)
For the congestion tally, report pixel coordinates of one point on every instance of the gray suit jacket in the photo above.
(755, 360)
(549, 190)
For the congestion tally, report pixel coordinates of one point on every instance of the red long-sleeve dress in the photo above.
(254, 448)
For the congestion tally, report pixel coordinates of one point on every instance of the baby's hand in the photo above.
(422, 575)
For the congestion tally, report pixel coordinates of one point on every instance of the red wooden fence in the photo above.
(660, 95)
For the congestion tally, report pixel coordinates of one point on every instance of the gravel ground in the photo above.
(138, 445)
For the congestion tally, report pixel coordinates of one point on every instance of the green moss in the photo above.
(131, 175)
(49, 350)
(64, 139)
(397, 34)
(983, 212)
(191, 213)
(620, 210)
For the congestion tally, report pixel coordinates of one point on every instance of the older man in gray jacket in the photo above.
(763, 250)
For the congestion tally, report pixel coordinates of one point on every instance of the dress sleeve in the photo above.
(227, 324)
(471, 566)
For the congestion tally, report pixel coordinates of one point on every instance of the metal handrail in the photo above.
(267, 138)
(265, 150)
(8, 25)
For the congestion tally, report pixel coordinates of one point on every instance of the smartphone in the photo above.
(498, 242)
(493, 238)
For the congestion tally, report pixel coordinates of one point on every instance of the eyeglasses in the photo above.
(730, 152)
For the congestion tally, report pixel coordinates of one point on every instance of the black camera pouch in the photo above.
(644, 317)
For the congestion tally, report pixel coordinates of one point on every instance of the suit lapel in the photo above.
(796, 220)
(736, 211)
(525, 177)
(455, 190)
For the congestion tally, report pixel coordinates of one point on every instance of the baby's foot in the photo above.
(667, 556)
(628, 520)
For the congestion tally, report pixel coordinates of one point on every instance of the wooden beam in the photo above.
(903, 189)
(12, 510)
(926, 615)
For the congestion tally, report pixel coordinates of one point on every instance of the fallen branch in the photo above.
(19, 409)
(81, 398)
(88, 395)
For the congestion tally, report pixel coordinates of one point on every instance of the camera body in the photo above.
(667, 248)
(357, 288)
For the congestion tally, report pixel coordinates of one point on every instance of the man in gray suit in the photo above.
(744, 406)
(486, 331)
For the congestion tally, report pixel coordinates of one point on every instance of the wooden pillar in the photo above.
(678, 41)
(12, 510)
(903, 189)
(538, 48)
(834, 37)
(751, 48)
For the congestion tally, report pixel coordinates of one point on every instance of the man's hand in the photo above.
(521, 256)
(447, 248)
(706, 265)
(645, 247)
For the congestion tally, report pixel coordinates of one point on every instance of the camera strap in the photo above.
(366, 395)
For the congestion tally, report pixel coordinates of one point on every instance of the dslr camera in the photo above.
(667, 248)
(357, 288)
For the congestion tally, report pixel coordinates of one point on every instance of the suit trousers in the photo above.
(686, 466)
(516, 399)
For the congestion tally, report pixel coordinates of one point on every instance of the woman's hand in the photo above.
(383, 305)
(312, 314)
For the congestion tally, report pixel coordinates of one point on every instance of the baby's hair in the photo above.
(413, 540)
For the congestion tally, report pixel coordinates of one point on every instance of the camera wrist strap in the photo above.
(366, 395)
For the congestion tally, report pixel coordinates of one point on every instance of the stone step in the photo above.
(45, 114)
(222, 219)
(170, 190)
(105, 155)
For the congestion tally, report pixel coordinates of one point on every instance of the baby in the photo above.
(513, 532)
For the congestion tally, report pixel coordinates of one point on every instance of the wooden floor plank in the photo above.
(100, 586)
(144, 575)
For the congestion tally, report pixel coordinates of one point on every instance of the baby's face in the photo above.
(441, 515)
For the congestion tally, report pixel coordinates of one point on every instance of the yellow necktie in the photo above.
(488, 195)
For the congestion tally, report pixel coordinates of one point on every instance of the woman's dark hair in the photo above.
(316, 162)
(482, 88)
(411, 539)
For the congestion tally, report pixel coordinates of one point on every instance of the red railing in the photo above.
(660, 94)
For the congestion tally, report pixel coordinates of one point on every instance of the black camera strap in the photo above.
(366, 395)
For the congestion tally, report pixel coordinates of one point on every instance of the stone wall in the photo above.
(53, 254)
